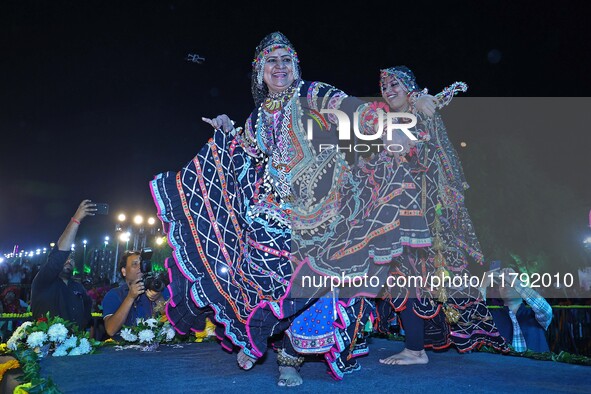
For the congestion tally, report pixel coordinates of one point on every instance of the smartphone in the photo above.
(102, 208)
(495, 265)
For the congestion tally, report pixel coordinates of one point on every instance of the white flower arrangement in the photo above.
(148, 331)
(17, 335)
(146, 336)
(71, 342)
(167, 332)
(62, 349)
(84, 347)
(128, 335)
(36, 339)
(53, 336)
(151, 322)
(57, 333)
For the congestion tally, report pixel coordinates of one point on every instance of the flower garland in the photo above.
(26, 315)
(56, 337)
(51, 335)
(10, 364)
(29, 315)
(148, 332)
(46, 336)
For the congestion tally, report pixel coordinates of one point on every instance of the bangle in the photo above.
(75, 220)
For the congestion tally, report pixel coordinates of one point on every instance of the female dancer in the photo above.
(260, 209)
(445, 315)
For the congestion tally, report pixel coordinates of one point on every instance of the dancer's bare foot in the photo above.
(244, 361)
(289, 377)
(407, 357)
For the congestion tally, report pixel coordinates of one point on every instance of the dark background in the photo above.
(96, 97)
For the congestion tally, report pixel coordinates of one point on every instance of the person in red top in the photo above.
(10, 302)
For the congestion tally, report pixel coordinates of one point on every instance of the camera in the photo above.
(155, 281)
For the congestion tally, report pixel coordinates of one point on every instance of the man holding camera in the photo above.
(136, 298)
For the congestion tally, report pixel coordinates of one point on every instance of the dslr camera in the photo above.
(155, 281)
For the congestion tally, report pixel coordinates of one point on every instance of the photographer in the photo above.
(136, 298)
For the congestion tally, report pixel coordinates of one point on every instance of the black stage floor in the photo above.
(206, 368)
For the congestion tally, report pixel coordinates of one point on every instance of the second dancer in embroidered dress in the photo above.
(446, 315)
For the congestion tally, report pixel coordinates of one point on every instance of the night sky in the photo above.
(97, 97)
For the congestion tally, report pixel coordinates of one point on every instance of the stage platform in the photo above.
(206, 368)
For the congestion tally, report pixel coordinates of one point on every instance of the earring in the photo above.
(260, 73)
(296, 70)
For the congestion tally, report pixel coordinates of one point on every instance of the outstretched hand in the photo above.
(427, 105)
(86, 208)
(220, 122)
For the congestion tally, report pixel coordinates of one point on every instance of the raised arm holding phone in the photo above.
(52, 289)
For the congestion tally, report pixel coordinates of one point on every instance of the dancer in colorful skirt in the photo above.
(438, 316)
(260, 209)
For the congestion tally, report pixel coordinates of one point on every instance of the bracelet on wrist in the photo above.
(75, 220)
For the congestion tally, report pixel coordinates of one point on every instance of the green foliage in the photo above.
(29, 361)
(563, 357)
(28, 356)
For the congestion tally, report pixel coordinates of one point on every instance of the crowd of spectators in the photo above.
(16, 276)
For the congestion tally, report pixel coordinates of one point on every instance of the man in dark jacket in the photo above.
(53, 289)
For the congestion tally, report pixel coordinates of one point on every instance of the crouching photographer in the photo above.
(143, 294)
